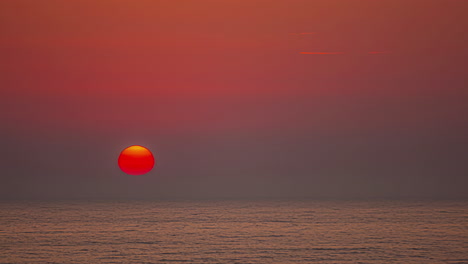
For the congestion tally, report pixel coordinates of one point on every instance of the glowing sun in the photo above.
(136, 160)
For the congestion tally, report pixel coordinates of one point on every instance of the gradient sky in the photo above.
(313, 98)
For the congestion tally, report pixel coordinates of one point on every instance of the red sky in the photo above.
(239, 71)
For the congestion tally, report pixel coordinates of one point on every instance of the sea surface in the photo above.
(234, 232)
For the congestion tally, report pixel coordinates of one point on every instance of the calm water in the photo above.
(234, 232)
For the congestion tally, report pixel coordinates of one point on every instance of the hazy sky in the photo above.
(346, 98)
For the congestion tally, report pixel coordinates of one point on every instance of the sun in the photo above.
(136, 160)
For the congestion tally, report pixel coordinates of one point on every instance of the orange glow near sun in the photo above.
(136, 160)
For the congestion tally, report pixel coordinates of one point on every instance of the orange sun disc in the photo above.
(136, 160)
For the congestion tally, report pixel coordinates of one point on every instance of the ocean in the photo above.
(234, 231)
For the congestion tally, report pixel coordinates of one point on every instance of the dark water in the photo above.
(234, 232)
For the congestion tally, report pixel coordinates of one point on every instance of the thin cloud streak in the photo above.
(303, 33)
(321, 53)
(378, 52)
